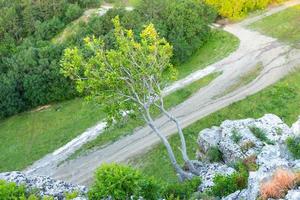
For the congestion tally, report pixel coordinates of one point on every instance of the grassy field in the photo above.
(284, 25)
(115, 132)
(282, 99)
(29, 136)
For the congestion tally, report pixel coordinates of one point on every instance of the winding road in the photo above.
(278, 60)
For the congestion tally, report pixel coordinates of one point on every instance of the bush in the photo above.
(237, 9)
(10, 98)
(214, 155)
(10, 191)
(122, 182)
(73, 12)
(48, 29)
(293, 144)
(225, 185)
(236, 136)
(182, 190)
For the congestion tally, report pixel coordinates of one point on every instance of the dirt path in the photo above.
(278, 60)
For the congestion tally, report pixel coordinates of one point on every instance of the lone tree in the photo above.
(128, 78)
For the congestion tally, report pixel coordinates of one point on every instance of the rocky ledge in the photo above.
(46, 186)
(263, 139)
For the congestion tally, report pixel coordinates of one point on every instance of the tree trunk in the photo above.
(183, 175)
(182, 140)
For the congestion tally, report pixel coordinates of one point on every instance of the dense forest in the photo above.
(29, 60)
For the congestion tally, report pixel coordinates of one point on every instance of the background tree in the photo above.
(128, 78)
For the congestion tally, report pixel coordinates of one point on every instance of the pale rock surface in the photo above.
(45, 185)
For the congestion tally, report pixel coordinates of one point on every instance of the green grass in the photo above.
(219, 46)
(282, 99)
(114, 132)
(29, 136)
(284, 25)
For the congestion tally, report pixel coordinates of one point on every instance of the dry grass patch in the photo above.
(282, 181)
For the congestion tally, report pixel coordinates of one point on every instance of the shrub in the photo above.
(260, 134)
(182, 190)
(10, 191)
(73, 12)
(281, 182)
(247, 145)
(214, 154)
(237, 9)
(293, 144)
(236, 136)
(122, 182)
(225, 185)
(250, 163)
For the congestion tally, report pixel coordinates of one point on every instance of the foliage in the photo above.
(73, 12)
(214, 154)
(70, 196)
(281, 182)
(185, 24)
(293, 144)
(236, 136)
(260, 134)
(237, 9)
(116, 78)
(225, 185)
(28, 62)
(10, 191)
(183, 190)
(250, 163)
(122, 182)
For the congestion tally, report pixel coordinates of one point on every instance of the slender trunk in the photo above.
(181, 173)
(182, 139)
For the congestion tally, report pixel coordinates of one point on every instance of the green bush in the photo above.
(73, 12)
(182, 190)
(237, 9)
(185, 24)
(214, 155)
(293, 144)
(122, 182)
(236, 136)
(10, 191)
(225, 185)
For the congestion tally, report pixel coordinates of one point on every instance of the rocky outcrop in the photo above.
(45, 185)
(263, 138)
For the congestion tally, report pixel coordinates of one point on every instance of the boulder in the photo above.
(296, 127)
(45, 185)
(208, 171)
(236, 141)
(293, 195)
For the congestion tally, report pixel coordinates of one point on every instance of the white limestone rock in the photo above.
(45, 185)
(293, 195)
(208, 171)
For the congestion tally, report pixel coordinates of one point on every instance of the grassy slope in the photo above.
(284, 25)
(29, 136)
(282, 99)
